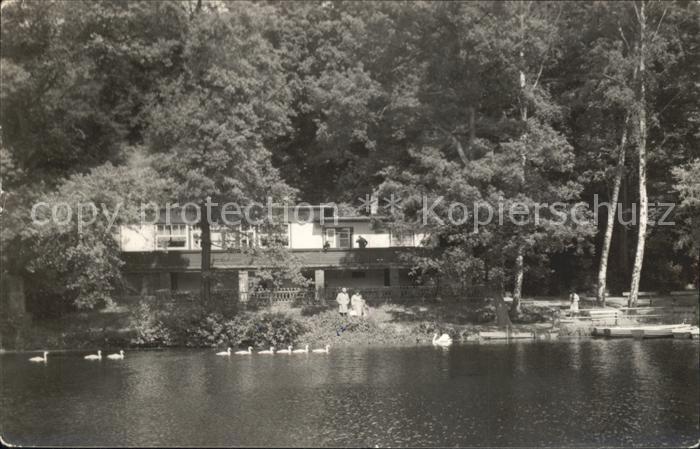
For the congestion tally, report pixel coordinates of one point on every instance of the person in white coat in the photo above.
(573, 297)
(343, 300)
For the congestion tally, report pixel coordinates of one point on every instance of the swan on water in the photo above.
(301, 351)
(322, 351)
(40, 359)
(444, 340)
(247, 352)
(269, 351)
(118, 356)
(226, 352)
(97, 356)
(285, 351)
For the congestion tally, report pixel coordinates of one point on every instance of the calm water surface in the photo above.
(582, 392)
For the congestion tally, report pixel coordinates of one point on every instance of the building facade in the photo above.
(334, 251)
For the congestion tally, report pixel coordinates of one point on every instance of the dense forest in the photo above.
(496, 102)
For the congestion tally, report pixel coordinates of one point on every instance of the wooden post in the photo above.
(205, 242)
(243, 286)
(164, 281)
(319, 284)
(394, 283)
(145, 284)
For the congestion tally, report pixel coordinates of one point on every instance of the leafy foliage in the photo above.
(499, 102)
(260, 331)
(149, 329)
(80, 262)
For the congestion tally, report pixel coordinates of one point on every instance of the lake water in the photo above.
(579, 392)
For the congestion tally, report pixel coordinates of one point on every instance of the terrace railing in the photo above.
(307, 295)
(218, 296)
(281, 295)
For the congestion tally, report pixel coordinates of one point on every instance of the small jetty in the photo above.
(648, 331)
(507, 334)
(504, 335)
(691, 332)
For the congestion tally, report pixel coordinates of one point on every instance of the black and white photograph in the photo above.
(371, 224)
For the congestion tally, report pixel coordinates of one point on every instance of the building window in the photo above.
(359, 275)
(328, 212)
(278, 236)
(246, 236)
(401, 239)
(217, 235)
(340, 238)
(171, 236)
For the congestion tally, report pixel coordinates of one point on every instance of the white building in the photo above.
(167, 254)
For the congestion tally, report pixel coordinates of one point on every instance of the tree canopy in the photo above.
(498, 103)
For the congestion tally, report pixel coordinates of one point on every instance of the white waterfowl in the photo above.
(444, 340)
(247, 352)
(117, 356)
(40, 359)
(322, 351)
(97, 356)
(285, 351)
(269, 351)
(226, 352)
(301, 351)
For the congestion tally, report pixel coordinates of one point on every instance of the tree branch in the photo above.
(546, 50)
(653, 36)
(636, 11)
(456, 142)
(605, 75)
(622, 35)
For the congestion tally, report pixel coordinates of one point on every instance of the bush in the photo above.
(150, 330)
(207, 331)
(429, 329)
(214, 329)
(272, 330)
(312, 309)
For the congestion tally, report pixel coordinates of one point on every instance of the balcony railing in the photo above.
(192, 260)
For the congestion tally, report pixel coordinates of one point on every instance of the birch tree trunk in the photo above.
(643, 200)
(519, 264)
(519, 274)
(609, 226)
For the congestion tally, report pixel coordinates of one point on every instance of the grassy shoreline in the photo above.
(387, 324)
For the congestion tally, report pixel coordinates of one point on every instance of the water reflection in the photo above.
(585, 392)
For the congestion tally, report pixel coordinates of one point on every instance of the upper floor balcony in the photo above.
(189, 260)
(344, 234)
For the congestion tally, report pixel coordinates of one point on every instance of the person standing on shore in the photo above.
(356, 303)
(343, 300)
(574, 302)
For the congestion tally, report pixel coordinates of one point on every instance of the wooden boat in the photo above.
(520, 335)
(688, 332)
(504, 335)
(646, 331)
(616, 332)
(493, 335)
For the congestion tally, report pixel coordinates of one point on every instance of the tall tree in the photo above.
(642, 153)
(599, 76)
(209, 128)
(500, 148)
(75, 257)
(74, 79)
